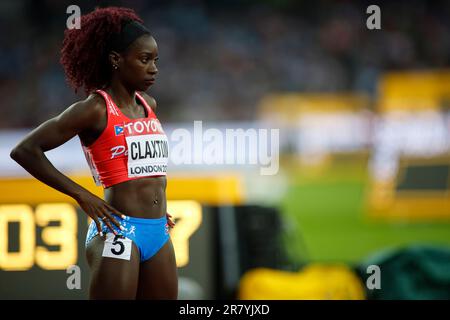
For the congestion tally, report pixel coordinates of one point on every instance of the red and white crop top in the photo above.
(127, 149)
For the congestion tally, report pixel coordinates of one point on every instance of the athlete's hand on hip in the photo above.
(170, 221)
(98, 209)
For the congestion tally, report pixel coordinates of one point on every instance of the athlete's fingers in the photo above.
(108, 224)
(111, 218)
(111, 208)
(170, 221)
(99, 228)
(105, 220)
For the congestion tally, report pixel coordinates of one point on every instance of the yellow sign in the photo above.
(188, 215)
(64, 235)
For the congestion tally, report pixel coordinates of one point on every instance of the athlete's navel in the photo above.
(155, 199)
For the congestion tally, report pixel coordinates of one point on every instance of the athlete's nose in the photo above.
(153, 70)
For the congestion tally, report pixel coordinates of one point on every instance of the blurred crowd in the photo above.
(217, 59)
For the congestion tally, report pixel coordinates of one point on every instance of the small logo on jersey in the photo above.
(118, 130)
(118, 150)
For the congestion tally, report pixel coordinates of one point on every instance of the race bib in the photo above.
(148, 149)
(117, 247)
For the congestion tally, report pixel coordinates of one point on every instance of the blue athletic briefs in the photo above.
(149, 235)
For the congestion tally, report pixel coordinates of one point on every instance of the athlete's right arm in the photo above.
(29, 153)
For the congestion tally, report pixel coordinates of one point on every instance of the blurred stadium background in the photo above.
(364, 148)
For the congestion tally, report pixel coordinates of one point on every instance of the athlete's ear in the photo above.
(115, 59)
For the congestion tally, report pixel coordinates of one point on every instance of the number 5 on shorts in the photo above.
(117, 247)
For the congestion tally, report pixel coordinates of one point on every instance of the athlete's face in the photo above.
(138, 63)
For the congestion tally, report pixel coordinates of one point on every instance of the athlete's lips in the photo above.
(151, 80)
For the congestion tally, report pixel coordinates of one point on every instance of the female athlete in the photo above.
(128, 247)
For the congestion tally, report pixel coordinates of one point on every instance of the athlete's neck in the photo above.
(123, 97)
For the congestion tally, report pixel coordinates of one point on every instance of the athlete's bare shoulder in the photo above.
(86, 114)
(92, 112)
(93, 107)
(150, 100)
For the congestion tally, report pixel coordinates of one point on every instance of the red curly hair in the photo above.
(84, 53)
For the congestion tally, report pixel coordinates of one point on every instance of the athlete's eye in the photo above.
(145, 60)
